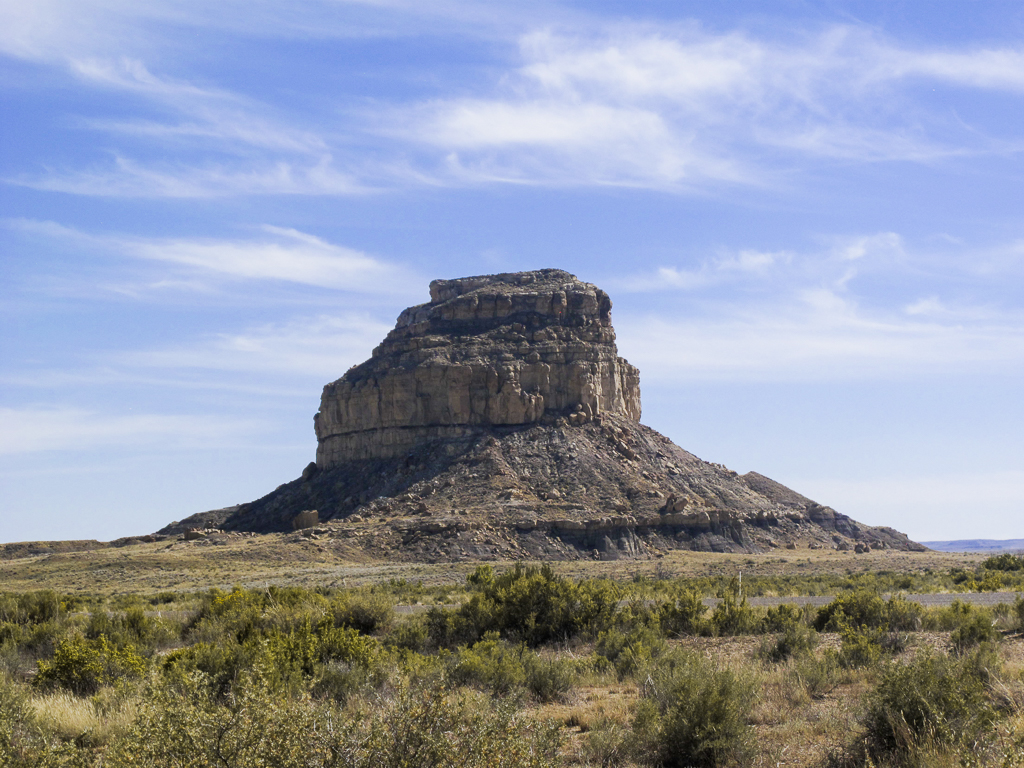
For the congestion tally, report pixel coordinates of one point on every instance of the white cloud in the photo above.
(204, 113)
(927, 306)
(674, 107)
(280, 254)
(56, 29)
(33, 429)
(744, 265)
(824, 337)
(128, 178)
(994, 69)
(323, 347)
(677, 106)
(882, 245)
(292, 256)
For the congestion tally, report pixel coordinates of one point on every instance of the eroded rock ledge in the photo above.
(495, 350)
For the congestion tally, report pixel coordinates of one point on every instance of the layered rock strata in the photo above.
(499, 350)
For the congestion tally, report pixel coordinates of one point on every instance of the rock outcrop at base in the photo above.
(498, 421)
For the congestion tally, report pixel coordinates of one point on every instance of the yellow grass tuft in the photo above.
(97, 720)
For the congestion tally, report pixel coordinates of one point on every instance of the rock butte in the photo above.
(499, 350)
(498, 421)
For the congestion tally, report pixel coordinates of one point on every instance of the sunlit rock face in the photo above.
(495, 350)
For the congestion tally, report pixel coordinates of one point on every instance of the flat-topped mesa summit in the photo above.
(497, 421)
(494, 350)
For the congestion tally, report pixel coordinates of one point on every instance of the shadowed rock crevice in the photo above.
(498, 420)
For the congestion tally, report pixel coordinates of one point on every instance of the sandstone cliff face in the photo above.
(495, 350)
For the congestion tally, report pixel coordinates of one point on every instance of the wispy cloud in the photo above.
(33, 429)
(202, 113)
(745, 265)
(323, 347)
(865, 306)
(825, 338)
(677, 106)
(591, 102)
(278, 253)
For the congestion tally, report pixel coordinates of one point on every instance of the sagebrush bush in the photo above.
(868, 609)
(816, 675)
(684, 614)
(933, 699)
(796, 639)
(701, 713)
(83, 666)
(256, 728)
(491, 664)
(532, 605)
(608, 744)
(549, 679)
(364, 611)
(132, 627)
(976, 629)
(782, 617)
(16, 727)
(862, 647)
(411, 634)
(732, 616)
(31, 607)
(630, 649)
(1004, 562)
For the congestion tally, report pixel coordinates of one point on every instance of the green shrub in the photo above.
(532, 605)
(868, 609)
(83, 666)
(411, 634)
(608, 743)
(252, 728)
(862, 647)
(901, 615)
(1004, 562)
(340, 681)
(133, 627)
(629, 651)
(949, 618)
(794, 640)
(700, 715)
(732, 616)
(684, 614)
(255, 727)
(1018, 613)
(435, 729)
(549, 679)
(364, 611)
(816, 675)
(31, 607)
(932, 700)
(503, 668)
(490, 663)
(977, 629)
(17, 737)
(782, 617)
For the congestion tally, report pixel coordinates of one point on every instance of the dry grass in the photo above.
(290, 559)
(95, 721)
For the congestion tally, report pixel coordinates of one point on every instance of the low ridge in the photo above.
(498, 421)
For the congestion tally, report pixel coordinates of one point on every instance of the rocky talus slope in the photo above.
(498, 421)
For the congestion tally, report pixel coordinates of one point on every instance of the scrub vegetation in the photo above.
(515, 667)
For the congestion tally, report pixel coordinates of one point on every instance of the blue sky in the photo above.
(808, 216)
